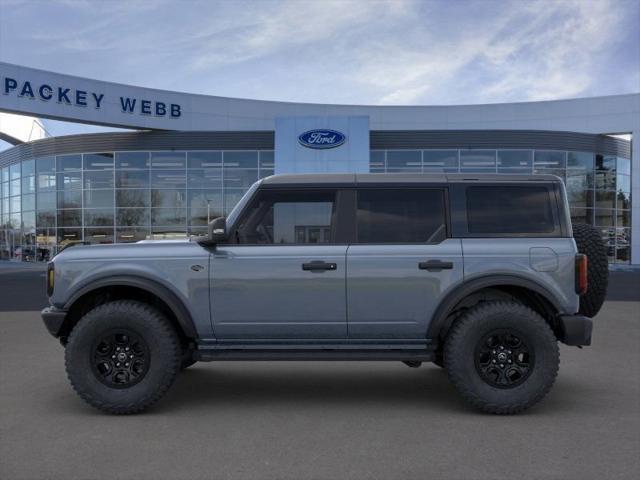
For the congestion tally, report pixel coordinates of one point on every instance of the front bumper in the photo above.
(53, 319)
(575, 330)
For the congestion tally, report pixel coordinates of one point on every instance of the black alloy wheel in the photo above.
(503, 359)
(120, 358)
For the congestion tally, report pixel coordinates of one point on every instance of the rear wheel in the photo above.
(502, 357)
(122, 356)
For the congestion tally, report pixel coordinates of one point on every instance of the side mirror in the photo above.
(217, 231)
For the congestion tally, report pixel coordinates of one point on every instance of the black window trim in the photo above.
(454, 201)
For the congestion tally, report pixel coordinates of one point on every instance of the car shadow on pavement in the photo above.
(227, 389)
(264, 384)
(213, 384)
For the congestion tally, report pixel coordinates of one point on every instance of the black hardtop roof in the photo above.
(353, 179)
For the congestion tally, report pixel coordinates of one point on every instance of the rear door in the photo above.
(284, 278)
(401, 263)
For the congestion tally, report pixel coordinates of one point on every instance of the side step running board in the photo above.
(417, 355)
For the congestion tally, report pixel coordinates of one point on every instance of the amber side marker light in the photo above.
(582, 283)
(50, 278)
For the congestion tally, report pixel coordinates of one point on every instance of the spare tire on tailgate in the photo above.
(589, 241)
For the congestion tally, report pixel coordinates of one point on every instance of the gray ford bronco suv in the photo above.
(480, 274)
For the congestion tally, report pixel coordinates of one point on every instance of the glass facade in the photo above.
(598, 186)
(117, 197)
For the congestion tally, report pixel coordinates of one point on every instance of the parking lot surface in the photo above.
(333, 420)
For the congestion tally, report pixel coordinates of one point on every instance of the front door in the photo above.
(283, 277)
(401, 264)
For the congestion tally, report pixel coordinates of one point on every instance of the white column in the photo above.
(635, 197)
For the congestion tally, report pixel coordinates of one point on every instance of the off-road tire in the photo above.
(469, 331)
(163, 349)
(589, 241)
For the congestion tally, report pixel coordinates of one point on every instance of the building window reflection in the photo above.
(119, 197)
(598, 186)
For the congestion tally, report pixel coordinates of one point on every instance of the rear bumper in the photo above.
(575, 330)
(53, 319)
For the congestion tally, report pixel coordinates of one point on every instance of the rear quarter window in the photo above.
(500, 209)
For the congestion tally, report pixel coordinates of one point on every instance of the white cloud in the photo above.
(531, 51)
(386, 52)
(404, 95)
(266, 31)
(552, 56)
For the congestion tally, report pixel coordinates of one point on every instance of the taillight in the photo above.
(581, 274)
(51, 275)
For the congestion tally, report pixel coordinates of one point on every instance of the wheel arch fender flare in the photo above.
(463, 290)
(175, 304)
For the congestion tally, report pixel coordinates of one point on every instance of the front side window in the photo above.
(509, 210)
(401, 216)
(280, 218)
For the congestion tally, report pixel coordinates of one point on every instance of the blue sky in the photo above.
(361, 52)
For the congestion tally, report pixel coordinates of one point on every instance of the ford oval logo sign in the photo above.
(322, 138)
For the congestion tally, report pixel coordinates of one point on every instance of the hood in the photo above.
(123, 251)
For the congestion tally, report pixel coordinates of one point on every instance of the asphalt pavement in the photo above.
(22, 287)
(332, 420)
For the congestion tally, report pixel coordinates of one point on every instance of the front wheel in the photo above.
(502, 357)
(122, 356)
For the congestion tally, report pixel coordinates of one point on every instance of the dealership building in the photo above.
(189, 158)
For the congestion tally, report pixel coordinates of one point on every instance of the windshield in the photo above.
(233, 215)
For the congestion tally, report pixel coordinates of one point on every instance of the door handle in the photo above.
(435, 265)
(319, 266)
